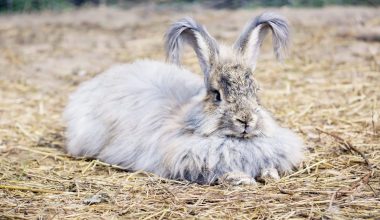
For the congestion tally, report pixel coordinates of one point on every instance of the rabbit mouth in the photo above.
(243, 134)
(249, 132)
(246, 135)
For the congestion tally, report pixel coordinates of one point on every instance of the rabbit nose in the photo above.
(248, 123)
(243, 122)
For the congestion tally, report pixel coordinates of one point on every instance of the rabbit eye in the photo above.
(217, 97)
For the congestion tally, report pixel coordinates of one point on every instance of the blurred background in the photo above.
(11, 6)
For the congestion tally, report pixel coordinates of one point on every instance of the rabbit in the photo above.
(161, 118)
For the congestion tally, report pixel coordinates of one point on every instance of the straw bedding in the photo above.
(328, 90)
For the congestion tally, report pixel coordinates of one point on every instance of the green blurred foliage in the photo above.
(38, 5)
(33, 5)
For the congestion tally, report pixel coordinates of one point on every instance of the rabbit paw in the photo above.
(237, 178)
(269, 174)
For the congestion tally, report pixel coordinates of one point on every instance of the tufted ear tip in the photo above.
(249, 42)
(187, 30)
(174, 38)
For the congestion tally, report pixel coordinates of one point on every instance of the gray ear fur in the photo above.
(249, 42)
(189, 31)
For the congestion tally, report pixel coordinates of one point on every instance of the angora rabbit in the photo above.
(161, 118)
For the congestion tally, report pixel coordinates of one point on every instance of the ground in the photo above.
(327, 90)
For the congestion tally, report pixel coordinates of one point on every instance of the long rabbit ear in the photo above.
(188, 31)
(249, 42)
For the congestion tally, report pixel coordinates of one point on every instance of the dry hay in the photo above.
(328, 91)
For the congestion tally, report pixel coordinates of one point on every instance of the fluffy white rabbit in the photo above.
(161, 118)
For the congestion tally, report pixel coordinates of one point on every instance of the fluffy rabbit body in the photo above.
(161, 118)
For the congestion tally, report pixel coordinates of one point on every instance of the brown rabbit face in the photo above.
(232, 96)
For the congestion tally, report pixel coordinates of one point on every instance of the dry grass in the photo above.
(328, 91)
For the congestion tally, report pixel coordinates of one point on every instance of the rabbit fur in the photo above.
(161, 118)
